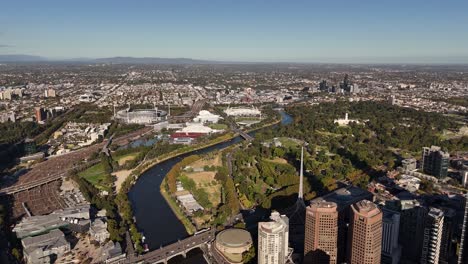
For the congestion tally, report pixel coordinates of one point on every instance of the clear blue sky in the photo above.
(302, 31)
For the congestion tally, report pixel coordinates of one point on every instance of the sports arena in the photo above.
(141, 116)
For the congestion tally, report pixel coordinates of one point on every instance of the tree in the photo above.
(248, 255)
(114, 230)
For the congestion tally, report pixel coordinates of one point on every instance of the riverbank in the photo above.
(146, 165)
(177, 211)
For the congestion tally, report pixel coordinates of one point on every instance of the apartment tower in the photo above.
(273, 240)
(433, 230)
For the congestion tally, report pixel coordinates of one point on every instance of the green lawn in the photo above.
(218, 126)
(122, 158)
(288, 142)
(94, 175)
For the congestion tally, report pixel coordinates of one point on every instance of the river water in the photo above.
(153, 215)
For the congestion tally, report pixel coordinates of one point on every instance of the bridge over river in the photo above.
(164, 254)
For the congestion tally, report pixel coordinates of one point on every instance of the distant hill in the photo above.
(116, 60)
(21, 58)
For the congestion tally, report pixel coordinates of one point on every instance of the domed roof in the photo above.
(234, 237)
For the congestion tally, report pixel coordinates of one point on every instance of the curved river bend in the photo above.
(153, 215)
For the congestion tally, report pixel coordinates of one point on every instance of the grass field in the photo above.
(289, 142)
(205, 179)
(277, 160)
(94, 175)
(218, 126)
(123, 158)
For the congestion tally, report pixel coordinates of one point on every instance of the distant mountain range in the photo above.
(116, 60)
(21, 58)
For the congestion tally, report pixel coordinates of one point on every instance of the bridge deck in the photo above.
(172, 250)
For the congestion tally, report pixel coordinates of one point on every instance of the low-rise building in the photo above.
(98, 230)
(44, 248)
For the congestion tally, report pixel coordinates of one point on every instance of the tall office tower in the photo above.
(412, 217)
(433, 228)
(365, 233)
(463, 250)
(321, 233)
(391, 250)
(273, 240)
(435, 162)
(344, 198)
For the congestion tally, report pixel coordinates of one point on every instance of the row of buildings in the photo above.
(345, 227)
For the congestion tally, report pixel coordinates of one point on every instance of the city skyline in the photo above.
(335, 32)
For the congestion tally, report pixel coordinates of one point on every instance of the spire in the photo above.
(301, 176)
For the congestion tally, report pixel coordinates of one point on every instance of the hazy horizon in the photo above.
(242, 31)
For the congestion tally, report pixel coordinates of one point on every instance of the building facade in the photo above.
(433, 230)
(391, 251)
(463, 250)
(273, 240)
(412, 217)
(435, 162)
(321, 233)
(365, 234)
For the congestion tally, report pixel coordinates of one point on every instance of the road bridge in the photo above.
(164, 254)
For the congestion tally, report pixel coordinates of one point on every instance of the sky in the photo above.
(254, 30)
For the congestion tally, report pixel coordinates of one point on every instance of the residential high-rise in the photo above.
(447, 246)
(435, 162)
(433, 229)
(365, 233)
(463, 250)
(391, 251)
(40, 114)
(273, 240)
(50, 93)
(321, 233)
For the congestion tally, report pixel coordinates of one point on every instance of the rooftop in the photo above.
(234, 237)
(345, 196)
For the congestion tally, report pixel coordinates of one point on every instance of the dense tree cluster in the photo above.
(229, 201)
(353, 153)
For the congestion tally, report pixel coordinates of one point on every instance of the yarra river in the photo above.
(153, 215)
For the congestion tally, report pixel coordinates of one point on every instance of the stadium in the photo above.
(141, 116)
(242, 111)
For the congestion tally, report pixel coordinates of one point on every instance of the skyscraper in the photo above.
(391, 251)
(435, 162)
(463, 250)
(433, 229)
(273, 240)
(365, 233)
(344, 198)
(321, 233)
(412, 217)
